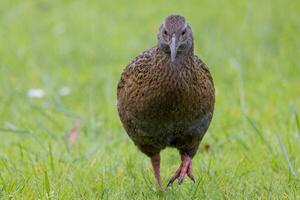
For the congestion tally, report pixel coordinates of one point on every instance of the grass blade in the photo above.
(259, 133)
(286, 156)
(294, 110)
(20, 131)
(51, 156)
(47, 184)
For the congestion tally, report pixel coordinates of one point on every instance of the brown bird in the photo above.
(166, 97)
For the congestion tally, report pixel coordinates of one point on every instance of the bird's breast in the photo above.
(172, 94)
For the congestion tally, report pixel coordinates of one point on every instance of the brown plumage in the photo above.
(166, 97)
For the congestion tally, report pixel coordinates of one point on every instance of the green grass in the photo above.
(251, 47)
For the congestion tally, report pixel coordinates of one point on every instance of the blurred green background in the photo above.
(74, 51)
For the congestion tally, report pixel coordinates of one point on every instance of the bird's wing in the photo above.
(199, 63)
(137, 67)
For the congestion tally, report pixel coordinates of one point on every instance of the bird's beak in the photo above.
(173, 47)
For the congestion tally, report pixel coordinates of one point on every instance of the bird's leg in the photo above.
(185, 168)
(155, 160)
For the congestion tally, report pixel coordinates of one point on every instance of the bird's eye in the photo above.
(165, 32)
(183, 32)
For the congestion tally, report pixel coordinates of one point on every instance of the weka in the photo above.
(166, 97)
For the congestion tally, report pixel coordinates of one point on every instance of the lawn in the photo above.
(75, 51)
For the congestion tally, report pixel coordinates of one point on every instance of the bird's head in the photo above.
(175, 37)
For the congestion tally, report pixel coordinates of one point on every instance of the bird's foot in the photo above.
(185, 168)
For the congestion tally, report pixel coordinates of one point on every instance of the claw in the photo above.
(180, 180)
(170, 182)
(192, 178)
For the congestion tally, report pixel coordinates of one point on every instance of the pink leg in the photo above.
(185, 168)
(155, 160)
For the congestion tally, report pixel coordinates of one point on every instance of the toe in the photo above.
(190, 173)
(192, 178)
(170, 182)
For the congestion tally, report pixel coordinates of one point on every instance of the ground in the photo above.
(74, 52)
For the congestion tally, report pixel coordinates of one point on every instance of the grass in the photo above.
(252, 49)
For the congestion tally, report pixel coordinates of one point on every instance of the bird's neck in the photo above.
(181, 59)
